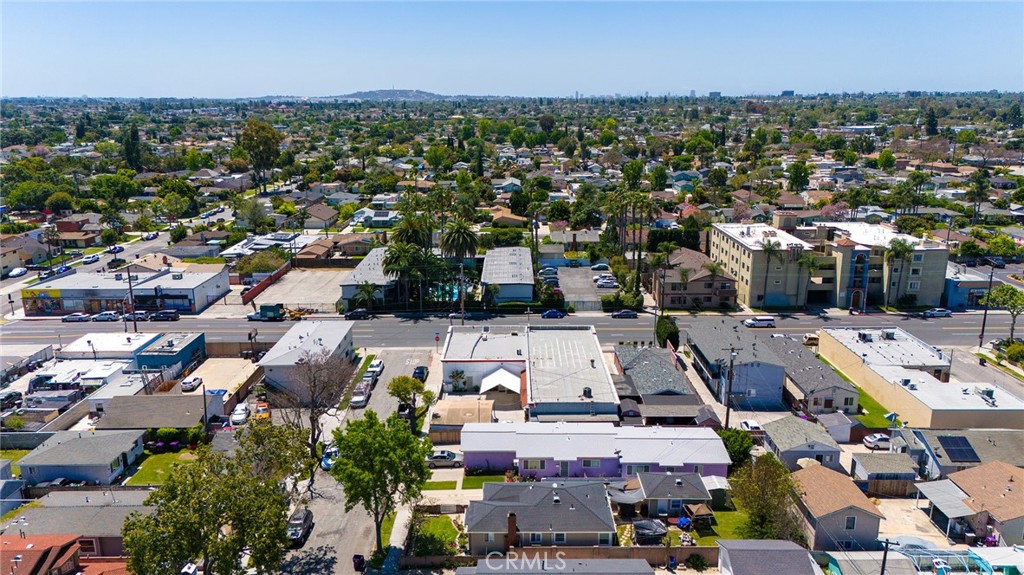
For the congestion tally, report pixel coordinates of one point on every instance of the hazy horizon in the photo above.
(522, 49)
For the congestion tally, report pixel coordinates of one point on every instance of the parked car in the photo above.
(240, 414)
(877, 441)
(151, 236)
(552, 314)
(750, 425)
(115, 263)
(262, 410)
(548, 272)
(600, 277)
(330, 455)
(90, 259)
(608, 285)
(299, 526)
(360, 395)
(625, 314)
(420, 373)
(600, 267)
(17, 272)
(191, 383)
(760, 321)
(370, 379)
(360, 313)
(164, 315)
(106, 316)
(136, 316)
(376, 367)
(810, 339)
(937, 312)
(115, 249)
(444, 458)
(10, 399)
(77, 316)
(72, 253)
(996, 262)
(62, 269)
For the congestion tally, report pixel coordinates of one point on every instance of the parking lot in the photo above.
(306, 288)
(578, 286)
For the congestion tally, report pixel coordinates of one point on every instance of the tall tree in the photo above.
(262, 143)
(772, 250)
(977, 192)
(131, 149)
(459, 240)
(1009, 298)
(764, 490)
(382, 464)
(799, 176)
(809, 262)
(320, 378)
(931, 123)
(899, 250)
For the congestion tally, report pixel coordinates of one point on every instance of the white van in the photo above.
(760, 321)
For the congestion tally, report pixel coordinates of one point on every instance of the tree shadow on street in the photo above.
(316, 561)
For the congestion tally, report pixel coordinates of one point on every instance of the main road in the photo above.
(388, 331)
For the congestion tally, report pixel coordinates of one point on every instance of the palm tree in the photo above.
(716, 269)
(615, 203)
(413, 229)
(399, 261)
(772, 250)
(899, 250)
(807, 260)
(458, 240)
(52, 238)
(365, 296)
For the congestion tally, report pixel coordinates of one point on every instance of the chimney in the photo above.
(511, 537)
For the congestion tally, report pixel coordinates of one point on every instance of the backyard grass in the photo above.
(477, 481)
(155, 467)
(359, 375)
(725, 526)
(436, 536)
(14, 455)
(874, 413)
(439, 485)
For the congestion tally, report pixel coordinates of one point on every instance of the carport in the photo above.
(949, 499)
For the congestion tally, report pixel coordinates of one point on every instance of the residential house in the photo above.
(79, 230)
(354, 244)
(764, 557)
(762, 282)
(545, 450)
(93, 517)
(320, 216)
(758, 373)
(97, 457)
(653, 378)
(370, 270)
(513, 515)
(371, 218)
(42, 555)
(151, 263)
(9, 260)
(575, 240)
(502, 216)
(986, 500)
(342, 198)
(793, 438)
(28, 250)
(695, 287)
(507, 185)
(835, 513)
(811, 385)
(320, 250)
(940, 452)
(666, 494)
(283, 364)
(510, 270)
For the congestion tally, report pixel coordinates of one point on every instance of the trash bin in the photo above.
(358, 563)
(982, 361)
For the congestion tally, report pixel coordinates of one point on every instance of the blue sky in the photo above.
(237, 49)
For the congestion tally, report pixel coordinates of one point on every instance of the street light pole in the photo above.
(984, 317)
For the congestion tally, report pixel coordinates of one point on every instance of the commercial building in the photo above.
(186, 292)
(283, 364)
(172, 353)
(558, 371)
(912, 378)
(543, 450)
(108, 345)
(965, 287)
(510, 270)
(780, 282)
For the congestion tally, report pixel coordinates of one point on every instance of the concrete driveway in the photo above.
(909, 517)
(578, 285)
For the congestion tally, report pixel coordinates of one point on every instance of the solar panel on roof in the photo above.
(958, 449)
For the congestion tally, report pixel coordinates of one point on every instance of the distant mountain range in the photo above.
(392, 95)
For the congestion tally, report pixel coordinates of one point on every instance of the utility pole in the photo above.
(131, 303)
(885, 554)
(728, 391)
(984, 317)
(462, 292)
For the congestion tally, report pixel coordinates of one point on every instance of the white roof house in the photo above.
(307, 337)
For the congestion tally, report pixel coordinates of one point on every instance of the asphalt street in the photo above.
(387, 331)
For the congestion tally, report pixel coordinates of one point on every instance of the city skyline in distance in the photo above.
(526, 49)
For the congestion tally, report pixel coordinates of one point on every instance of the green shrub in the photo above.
(667, 330)
(697, 562)
(178, 233)
(1015, 352)
(907, 300)
(571, 309)
(167, 434)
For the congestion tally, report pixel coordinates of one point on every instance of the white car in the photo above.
(938, 312)
(750, 425)
(608, 284)
(877, 441)
(360, 395)
(17, 272)
(90, 259)
(240, 414)
(376, 367)
(106, 316)
(191, 383)
(600, 277)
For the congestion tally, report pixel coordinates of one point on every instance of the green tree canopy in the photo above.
(764, 490)
(261, 143)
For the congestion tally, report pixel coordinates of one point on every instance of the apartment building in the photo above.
(687, 283)
(852, 271)
(763, 279)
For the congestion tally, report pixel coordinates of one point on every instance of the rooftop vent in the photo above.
(588, 393)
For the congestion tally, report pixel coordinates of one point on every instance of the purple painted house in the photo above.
(545, 450)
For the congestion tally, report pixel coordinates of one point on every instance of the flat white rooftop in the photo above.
(111, 345)
(889, 346)
(947, 396)
(498, 343)
(565, 360)
(878, 235)
(754, 236)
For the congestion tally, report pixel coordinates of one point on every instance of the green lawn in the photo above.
(477, 481)
(386, 527)
(436, 536)
(439, 485)
(874, 413)
(359, 375)
(155, 467)
(14, 455)
(725, 526)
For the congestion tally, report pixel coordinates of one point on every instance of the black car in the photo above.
(360, 313)
(165, 315)
(996, 262)
(10, 399)
(299, 526)
(420, 373)
(625, 314)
